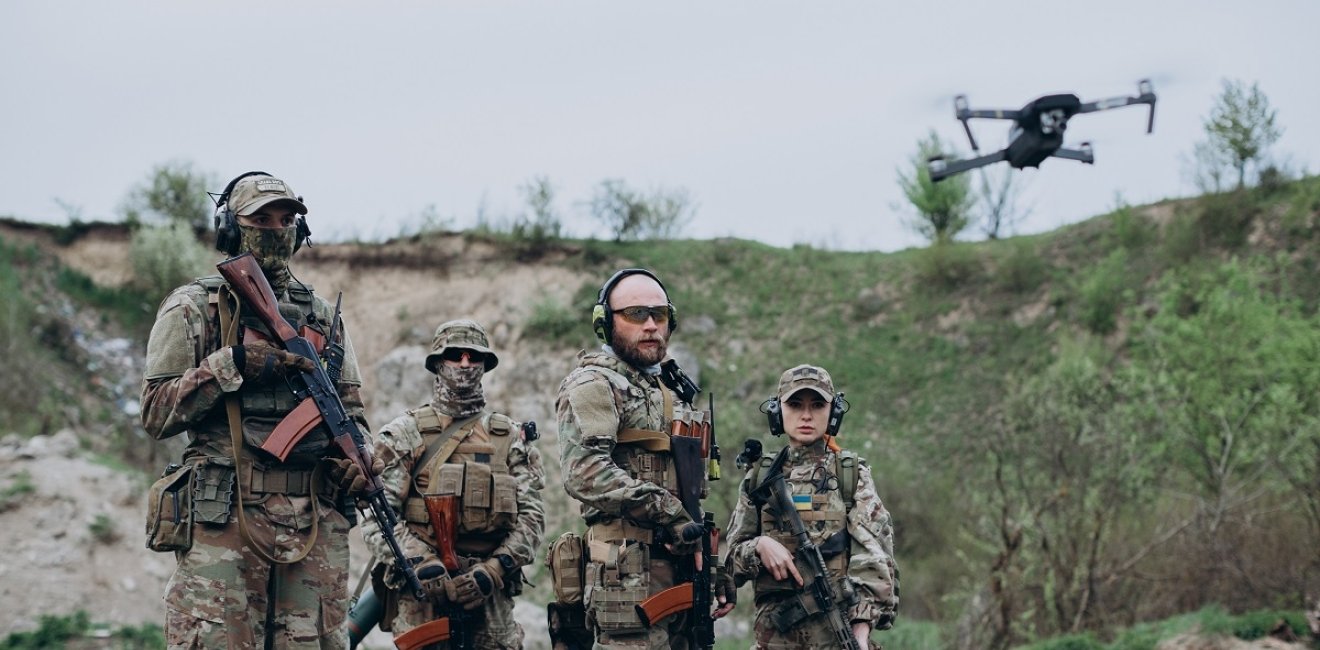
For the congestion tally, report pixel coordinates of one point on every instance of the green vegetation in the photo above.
(77, 630)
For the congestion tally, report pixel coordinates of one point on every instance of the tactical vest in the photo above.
(263, 407)
(824, 513)
(645, 452)
(477, 472)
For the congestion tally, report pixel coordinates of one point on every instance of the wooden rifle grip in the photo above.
(443, 513)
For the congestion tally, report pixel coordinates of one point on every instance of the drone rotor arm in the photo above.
(1081, 154)
(990, 114)
(941, 169)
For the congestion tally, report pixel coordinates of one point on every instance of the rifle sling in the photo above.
(229, 337)
(443, 445)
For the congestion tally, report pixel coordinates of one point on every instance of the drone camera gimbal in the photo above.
(1037, 131)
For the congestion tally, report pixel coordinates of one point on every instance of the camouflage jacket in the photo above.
(871, 570)
(400, 444)
(601, 397)
(188, 373)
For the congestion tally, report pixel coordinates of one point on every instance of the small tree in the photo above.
(997, 195)
(1241, 127)
(173, 193)
(631, 215)
(166, 256)
(543, 222)
(943, 208)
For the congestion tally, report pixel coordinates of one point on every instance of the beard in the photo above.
(633, 353)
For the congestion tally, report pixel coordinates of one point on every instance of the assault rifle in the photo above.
(457, 625)
(319, 396)
(695, 592)
(774, 491)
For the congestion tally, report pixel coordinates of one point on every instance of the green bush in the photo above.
(51, 632)
(165, 257)
(1101, 294)
(1225, 219)
(947, 265)
(911, 635)
(551, 321)
(1021, 268)
(1251, 625)
(1129, 229)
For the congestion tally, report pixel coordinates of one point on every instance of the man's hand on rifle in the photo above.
(777, 560)
(260, 362)
(472, 588)
(348, 476)
(435, 580)
(726, 593)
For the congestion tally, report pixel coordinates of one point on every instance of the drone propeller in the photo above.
(1145, 95)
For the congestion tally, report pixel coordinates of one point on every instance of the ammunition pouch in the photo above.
(617, 579)
(213, 493)
(170, 511)
(567, 561)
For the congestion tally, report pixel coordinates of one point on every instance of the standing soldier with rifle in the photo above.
(468, 482)
(809, 529)
(633, 449)
(258, 511)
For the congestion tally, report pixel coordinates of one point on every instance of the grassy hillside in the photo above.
(1076, 431)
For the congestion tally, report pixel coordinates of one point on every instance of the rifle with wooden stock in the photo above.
(319, 399)
(456, 625)
(774, 492)
(694, 593)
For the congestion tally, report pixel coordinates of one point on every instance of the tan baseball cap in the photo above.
(812, 378)
(255, 192)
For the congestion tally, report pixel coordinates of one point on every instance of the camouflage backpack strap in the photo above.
(845, 467)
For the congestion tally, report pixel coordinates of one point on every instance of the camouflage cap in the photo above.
(465, 334)
(812, 378)
(255, 192)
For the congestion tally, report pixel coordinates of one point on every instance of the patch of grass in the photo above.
(912, 635)
(1084, 641)
(1103, 292)
(1130, 229)
(127, 306)
(551, 321)
(21, 486)
(1251, 625)
(52, 632)
(102, 529)
(1021, 267)
(947, 266)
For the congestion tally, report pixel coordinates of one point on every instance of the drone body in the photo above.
(1037, 132)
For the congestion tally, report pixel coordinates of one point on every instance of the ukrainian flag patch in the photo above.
(802, 501)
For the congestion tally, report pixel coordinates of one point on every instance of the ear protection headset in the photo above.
(227, 238)
(774, 415)
(602, 318)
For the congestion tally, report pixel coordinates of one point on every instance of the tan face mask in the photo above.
(458, 390)
(273, 248)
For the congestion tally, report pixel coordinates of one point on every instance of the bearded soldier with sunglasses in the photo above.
(453, 448)
(616, 414)
(834, 497)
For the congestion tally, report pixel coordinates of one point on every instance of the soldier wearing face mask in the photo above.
(261, 543)
(455, 447)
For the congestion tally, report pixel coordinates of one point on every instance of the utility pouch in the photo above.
(169, 510)
(504, 501)
(477, 483)
(618, 582)
(567, 562)
(213, 494)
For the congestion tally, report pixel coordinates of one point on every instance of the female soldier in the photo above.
(834, 495)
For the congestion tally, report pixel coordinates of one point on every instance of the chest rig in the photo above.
(476, 471)
(823, 506)
(263, 407)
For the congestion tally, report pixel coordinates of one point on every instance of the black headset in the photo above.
(602, 321)
(774, 415)
(227, 238)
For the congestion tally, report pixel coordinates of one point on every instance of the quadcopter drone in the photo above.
(1038, 130)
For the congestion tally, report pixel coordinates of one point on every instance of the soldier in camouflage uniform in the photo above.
(276, 577)
(614, 417)
(848, 523)
(454, 446)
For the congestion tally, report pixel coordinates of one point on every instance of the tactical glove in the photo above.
(435, 580)
(471, 589)
(685, 536)
(260, 362)
(348, 476)
(726, 586)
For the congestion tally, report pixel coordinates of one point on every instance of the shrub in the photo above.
(945, 265)
(165, 257)
(1021, 268)
(551, 321)
(102, 529)
(1129, 229)
(1101, 293)
(1071, 642)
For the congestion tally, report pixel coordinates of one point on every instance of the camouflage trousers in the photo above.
(613, 588)
(220, 594)
(813, 632)
(493, 627)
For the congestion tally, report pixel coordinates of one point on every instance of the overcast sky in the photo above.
(785, 121)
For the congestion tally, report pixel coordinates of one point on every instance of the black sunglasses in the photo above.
(456, 355)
